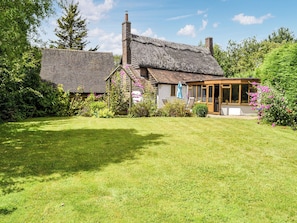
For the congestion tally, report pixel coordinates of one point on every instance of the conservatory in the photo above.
(226, 96)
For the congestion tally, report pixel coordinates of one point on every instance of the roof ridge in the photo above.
(173, 45)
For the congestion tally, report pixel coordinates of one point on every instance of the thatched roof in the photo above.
(155, 53)
(173, 77)
(75, 68)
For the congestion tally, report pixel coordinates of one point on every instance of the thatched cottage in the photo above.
(165, 64)
(77, 70)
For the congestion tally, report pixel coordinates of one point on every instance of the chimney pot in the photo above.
(126, 17)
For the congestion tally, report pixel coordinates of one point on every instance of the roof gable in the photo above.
(154, 53)
(76, 68)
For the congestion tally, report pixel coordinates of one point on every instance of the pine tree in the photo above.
(72, 28)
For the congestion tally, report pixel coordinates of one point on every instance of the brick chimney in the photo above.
(126, 38)
(209, 44)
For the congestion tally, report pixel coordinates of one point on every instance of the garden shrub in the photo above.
(105, 113)
(119, 103)
(161, 112)
(201, 110)
(91, 105)
(279, 70)
(22, 92)
(54, 100)
(77, 105)
(273, 107)
(145, 108)
(175, 108)
(98, 105)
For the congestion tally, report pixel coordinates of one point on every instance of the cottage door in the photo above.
(216, 103)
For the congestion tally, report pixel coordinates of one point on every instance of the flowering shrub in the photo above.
(117, 95)
(146, 107)
(272, 106)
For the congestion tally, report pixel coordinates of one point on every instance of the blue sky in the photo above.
(182, 21)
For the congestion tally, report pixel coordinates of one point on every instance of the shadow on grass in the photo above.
(28, 154)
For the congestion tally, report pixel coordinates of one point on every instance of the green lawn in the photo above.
(147, 170)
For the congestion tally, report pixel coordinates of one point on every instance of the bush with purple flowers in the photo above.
(272, 106)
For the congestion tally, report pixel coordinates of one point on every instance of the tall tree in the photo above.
(279, 69)
(19, 63)
(18, 20)
(242, 59)
(72, 28)
(282, 35)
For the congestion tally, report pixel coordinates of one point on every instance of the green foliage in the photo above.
(21, 90)
(105, 113)
(117, 96)
(280, 71)
(117, 59)
(143, 108)
(273, 107)
(201, 110)
(53, 102)
(222, 57)
(77, 105)
(18, 21)
(98, 105)
(175, 108)
(244, 58)
(91, 106)
(72, 28)
(117, 170)
(282, 35)
(23, 94)
(147, 107)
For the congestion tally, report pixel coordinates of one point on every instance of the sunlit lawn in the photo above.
(147, 170)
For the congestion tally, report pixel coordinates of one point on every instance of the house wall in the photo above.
(237, 110)
(164, 91)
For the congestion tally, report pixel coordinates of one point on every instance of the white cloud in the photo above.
(188, 30)
(95, 12)
(215, 25)
(149, 33)
(204, 24)
(135, 31)
(108, 42)
(250, 20)
(111, 42)
(179, 17)
(201, 12)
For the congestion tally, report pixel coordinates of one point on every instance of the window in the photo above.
(144, 72)
(235, 93)
(173, 90)
(226, 95)
(194, 94)
(190, 90)
(244, 93)
(204, 93)
(199, 93)
(210, 93)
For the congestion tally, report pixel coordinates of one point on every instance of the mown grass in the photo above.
(147, 170)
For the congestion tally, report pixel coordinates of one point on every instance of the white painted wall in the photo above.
(164, 91)
(237, 110)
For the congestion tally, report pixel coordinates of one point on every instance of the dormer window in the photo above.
(144, 72)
